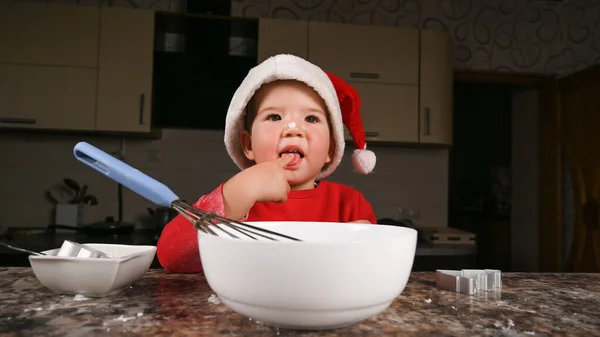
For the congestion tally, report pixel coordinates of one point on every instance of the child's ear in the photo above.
(246, 141)
(331, 151)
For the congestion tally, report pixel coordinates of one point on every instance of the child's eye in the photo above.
(312, 119)
(274, 117)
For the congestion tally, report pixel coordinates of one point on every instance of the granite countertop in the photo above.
(164, 304)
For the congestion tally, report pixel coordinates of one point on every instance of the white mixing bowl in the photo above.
(92, 276)
(339, 275)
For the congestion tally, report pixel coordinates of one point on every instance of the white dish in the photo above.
(93, 276)
(339, 275)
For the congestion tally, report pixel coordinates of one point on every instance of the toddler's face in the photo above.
(290, 117)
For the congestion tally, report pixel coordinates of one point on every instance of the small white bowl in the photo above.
(93, 276)
(339, 275)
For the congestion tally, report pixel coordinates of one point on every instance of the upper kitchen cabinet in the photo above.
(436, 85)
(47, 97)
(365, 53)
(384, 120)
(63, 35)
(125, 70)
(277, 36)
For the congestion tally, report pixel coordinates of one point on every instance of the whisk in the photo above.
(160, 194)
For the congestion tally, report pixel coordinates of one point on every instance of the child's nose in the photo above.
(292, 130)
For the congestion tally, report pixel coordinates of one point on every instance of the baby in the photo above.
(285, 131)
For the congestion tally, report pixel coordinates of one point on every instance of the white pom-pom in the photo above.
(363, 161)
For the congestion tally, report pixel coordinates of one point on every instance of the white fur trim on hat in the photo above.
(283, 67)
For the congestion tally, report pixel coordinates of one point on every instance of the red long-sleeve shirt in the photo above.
(177, 248)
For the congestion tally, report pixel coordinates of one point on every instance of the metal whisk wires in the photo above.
(207, 221)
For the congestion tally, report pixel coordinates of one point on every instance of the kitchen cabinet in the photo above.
(47, 97)
(75, 67)
(376, 54)
(276, 36)
(436, 101)
(384, 119)
(42, 34)
(404, 76)
(125, 70)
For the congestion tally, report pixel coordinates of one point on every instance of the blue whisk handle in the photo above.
(124, 174)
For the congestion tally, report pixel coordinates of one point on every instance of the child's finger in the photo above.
(291, 175)
(285, 159)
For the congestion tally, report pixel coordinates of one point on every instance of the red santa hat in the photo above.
(341, 99)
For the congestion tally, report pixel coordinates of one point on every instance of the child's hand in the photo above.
(268, 181)
(361, 221)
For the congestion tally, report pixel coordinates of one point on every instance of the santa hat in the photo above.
(341, 99)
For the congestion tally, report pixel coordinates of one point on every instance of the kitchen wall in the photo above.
(531, 36)
(193, 163)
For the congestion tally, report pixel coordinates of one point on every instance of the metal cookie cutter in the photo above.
(74, 249)
(468, 281)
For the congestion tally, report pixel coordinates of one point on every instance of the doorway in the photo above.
(505, 124)
(580, 141)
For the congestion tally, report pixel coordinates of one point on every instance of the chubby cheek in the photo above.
(319, 146)
(264, 143)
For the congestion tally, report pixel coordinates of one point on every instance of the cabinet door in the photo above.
(365, 53)
(277, 36)
(45, 97)
(49, 34)
(436, 88)
(125, 70)
(389, 112)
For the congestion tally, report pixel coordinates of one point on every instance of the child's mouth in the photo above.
(298, 155)
(294, 152)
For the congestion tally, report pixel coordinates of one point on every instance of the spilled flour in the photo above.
(255, 321)
(509, 325)
(34, 309)
(80, 297)
(507, 305)
(122, 318)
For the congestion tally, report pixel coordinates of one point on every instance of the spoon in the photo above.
(21, 249)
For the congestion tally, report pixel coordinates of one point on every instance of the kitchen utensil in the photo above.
(93, 277)
(23, 250)
(72, 185)
(68, 192)
(82, 193)
(74, 249)
(50, 197)
(68, 249)
(468, 281)
(90, 200)
(341, 274)
(160, 194)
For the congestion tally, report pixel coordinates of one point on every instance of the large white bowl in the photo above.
(339, 275)
(93, 276)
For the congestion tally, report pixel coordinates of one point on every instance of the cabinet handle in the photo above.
(364, 75)
(371, 134)
(142, 109)
(427, 114)
(9, 120)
